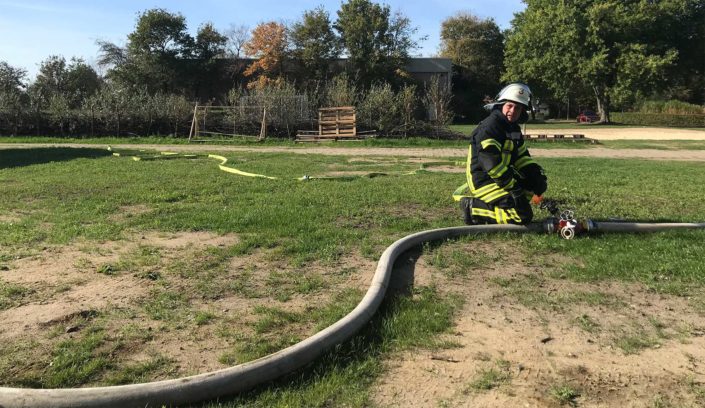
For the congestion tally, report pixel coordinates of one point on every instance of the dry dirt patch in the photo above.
(528, 340)
(73, 288)
(64, 281)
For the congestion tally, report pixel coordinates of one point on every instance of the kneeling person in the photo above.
(501, 175)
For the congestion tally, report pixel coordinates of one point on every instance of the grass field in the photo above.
(297, 247)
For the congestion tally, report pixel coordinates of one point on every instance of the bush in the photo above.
(658, 119)
(673, 107)
(380, 110)
(340, 91)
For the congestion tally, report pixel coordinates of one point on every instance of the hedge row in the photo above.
(658, 119)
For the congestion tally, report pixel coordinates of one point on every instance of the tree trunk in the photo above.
(603, 105)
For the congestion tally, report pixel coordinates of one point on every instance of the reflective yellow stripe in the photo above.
(508, 145)
(521, 150)
(485, 189)
(523, 162)
(491, 142)
(481, 212)
(493, 196)
(468, 172)
(500, 217)
(502, 167)
(498, 170)
(513, 214)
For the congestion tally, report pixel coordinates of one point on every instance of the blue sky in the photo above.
(32, 30)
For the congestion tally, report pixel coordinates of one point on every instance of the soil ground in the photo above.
(539, 342)
(506, 353)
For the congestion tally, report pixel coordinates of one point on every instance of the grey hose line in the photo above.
(245, 376)
(645, 227)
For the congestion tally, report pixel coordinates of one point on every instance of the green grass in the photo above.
(493, 377)
(638, 337)
(531, 291)
(564, 394)
(655, 144)
(11, 294)
(586, 323)
(66, 197)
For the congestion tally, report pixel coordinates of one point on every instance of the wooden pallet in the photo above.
(337, 123)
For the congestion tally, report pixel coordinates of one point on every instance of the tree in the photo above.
(403, 42)
(209, 43)
(437, 97)
(476, 47)
(207, 66)
(269, 44)
(315, 44)
(686, 77)
(12, 94)
(238, 36)
(81, 82)
(377, 45)
(154, 52)
(604, 45)
(51, 78)
(161, 33)
(71, 83)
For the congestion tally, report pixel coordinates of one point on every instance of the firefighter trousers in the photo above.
(505, 211)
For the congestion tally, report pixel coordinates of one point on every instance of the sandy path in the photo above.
(592, 132)
(458, 153)
(635, 133)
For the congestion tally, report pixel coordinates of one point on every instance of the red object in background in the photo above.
(587, 116)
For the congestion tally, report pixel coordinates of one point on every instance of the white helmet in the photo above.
(516, 92)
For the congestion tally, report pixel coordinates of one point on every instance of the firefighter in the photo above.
(501, 175)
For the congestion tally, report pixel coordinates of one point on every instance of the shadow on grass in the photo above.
(26, 157)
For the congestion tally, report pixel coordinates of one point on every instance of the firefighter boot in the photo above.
(466, 209)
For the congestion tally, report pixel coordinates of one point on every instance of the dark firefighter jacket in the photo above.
(499, 162)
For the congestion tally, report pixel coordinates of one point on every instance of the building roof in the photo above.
(429, 65)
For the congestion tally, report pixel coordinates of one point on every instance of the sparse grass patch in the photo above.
(586, 323)
(22, 362)
(493, 377)
(564, 394)
(531, 291)
(271, 318)
(633, 340)
(206, 273)
(415, 321)
(459, 259)
(697, 389)
(107, 269)
(156, 366)
(164, 305)
(638, 337)
(77, 361)
(11, 294)
(282, 285)
(204, 317)
(258, 346)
